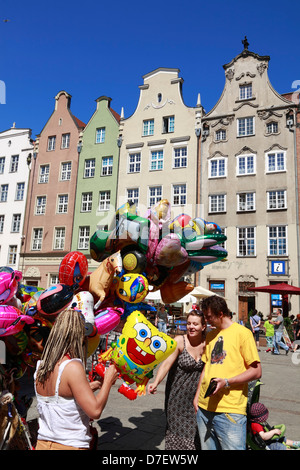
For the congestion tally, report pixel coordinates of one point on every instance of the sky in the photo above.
(90, 49)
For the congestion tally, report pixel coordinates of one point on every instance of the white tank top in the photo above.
(61, 419)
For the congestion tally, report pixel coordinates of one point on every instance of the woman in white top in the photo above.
(65, 399)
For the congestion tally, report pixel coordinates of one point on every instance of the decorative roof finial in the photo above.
(246, 43)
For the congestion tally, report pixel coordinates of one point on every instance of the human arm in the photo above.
(91, 404)
(266, 435)
(196, 398)
(166, 366)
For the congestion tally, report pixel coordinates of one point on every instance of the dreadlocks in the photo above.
(66, 337)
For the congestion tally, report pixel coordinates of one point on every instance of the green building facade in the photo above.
(97, 178)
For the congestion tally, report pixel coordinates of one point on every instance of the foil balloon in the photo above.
(73, 269)
(54, 300)
(9, 283)
(101, 279)
(139, 349)
(12, 321)
(131, 287)
(107, 319)
(84, 301)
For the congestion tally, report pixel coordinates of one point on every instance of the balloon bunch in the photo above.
(136, 254)
(162, 248)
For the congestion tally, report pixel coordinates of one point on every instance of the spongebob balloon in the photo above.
(139, 349)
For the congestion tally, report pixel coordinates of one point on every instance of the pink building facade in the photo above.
(51, 195)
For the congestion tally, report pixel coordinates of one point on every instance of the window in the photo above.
(180, 157)
(157, 160)
(155, 195)
(89, 168)
(217, 203)
(2, 217)
(277, 242)
(51, 143)
(2, 165)
(168, 124)
(44, 174)
(134, 162)
(133, 195)
(246, 91)
(59, 238)
(54, 279)
(246, 241)
(14, 163)
(276, 199)
(12, 255)
(37, 239)
(148, 127)
(179, 195)
(65, 171)
(20, 191)
(86, 202)
(104, 200)
(62, 203)
(275, 161)
(84, 238)
(107, 166)
(16, 223)
(246, 165)
(245, 126)
(40, 208)
(272, 127)
(220, 135)
(65, 141)
(100, 135)
(246, 202)
(217, 167)
(3, 192)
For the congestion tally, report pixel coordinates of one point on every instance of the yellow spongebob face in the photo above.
(143, 344)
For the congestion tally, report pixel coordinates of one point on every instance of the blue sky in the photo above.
(98, 48)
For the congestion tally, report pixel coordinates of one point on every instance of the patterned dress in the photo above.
(181, 387)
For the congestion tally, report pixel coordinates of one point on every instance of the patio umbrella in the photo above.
(201, 292)
(281, 288)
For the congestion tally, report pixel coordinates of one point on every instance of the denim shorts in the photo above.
(222, 431)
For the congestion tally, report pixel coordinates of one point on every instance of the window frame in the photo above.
(277, 252)
(246, 134)
(247, 238)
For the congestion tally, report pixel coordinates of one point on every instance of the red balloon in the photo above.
(73, 269)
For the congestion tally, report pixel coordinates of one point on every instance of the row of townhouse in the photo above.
(235, 165)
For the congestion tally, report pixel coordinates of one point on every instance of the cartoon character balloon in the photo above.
(131, 287)
(9, 282)
(73, 269)
(12, 321)
(139, 349)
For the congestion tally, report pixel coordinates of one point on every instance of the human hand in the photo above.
(95, 385)
(111, 374)
(152, 388)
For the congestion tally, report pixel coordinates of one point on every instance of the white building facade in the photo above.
(16, 149)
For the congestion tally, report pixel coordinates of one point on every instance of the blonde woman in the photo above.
(65, 399)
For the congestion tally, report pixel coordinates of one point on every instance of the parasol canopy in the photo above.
(280, 288)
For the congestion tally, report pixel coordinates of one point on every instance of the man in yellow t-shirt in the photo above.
(231, 360)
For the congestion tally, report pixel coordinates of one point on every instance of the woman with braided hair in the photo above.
(65, 399)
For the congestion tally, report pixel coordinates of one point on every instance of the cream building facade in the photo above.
(159, 151)
(248, 186)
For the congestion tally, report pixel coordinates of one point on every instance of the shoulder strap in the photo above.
(60, 371)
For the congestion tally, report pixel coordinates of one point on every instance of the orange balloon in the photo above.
(172, 292)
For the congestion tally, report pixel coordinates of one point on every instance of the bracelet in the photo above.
(226, 383)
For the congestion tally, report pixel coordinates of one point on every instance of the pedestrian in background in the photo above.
(161, 319)
(255, 324)
(269, 332)
(278, 327)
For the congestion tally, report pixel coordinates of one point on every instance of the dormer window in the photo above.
(272, 127)
(246, 91)
(220, 135)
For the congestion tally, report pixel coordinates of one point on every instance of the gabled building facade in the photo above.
(158, 156)
(248, 185)
(50, 204)
(16, 149)
(97, 175)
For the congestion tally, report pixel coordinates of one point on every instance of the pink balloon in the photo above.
(12, 321)
(107, 319)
